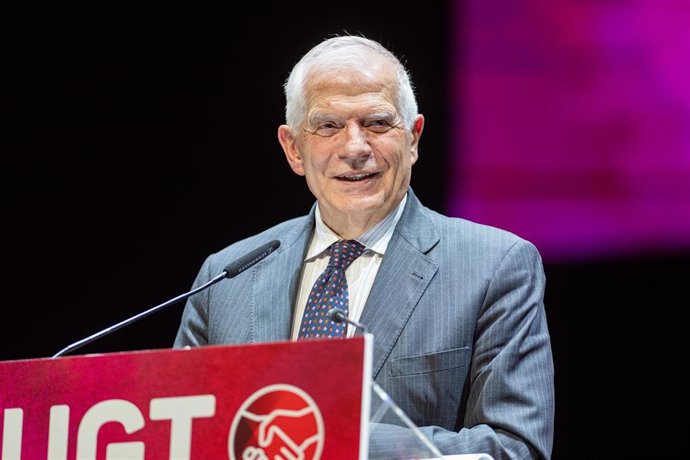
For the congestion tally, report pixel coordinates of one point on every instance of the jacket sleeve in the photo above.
(193, 329)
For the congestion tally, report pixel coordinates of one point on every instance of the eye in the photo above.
(378, 125)
(325, 128)
(327, 125)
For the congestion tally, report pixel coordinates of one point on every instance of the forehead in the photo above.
(352, 89)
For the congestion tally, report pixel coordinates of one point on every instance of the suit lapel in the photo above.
(276, 283)
(403, 277)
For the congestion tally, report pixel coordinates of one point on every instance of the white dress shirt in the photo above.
(360, 274)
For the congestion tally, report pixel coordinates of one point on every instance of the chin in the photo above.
(368, 203)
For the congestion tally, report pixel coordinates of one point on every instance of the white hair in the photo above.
(328, 54)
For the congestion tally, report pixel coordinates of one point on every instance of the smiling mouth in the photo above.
(356, 177)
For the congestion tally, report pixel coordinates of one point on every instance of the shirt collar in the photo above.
(375, 239)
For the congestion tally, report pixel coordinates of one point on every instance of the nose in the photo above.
(356, 142)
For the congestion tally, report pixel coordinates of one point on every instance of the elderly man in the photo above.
(456, 308)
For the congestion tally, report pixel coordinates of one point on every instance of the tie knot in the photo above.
(343, 252)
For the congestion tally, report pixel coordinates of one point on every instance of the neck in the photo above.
(350, 226)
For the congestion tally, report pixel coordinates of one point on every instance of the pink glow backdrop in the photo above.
(571, 123)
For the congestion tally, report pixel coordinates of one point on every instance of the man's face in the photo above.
(353, 148)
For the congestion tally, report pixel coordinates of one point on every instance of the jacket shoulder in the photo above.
(474, 233)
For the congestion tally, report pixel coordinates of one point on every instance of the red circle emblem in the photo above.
(277, 421)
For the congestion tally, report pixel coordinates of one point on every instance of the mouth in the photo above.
(356, 177)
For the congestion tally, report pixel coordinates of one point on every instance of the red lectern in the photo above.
(293, 400)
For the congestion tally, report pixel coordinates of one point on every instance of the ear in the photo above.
(289, 144)
(417, 129)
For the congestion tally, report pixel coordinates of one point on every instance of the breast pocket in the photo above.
(432, 362)
(429, 387)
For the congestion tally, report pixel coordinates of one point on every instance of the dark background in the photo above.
(138, 140)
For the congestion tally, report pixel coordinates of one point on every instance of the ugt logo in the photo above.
(277, 422)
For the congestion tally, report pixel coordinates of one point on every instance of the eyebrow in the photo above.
(322, 116)
(383, 114)
(326, 116)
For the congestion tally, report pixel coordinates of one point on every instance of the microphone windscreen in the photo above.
(246, 261)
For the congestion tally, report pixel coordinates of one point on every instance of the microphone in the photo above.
(230, 271)
(337, 315)
(248, 260)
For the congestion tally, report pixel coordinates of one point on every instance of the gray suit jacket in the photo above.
(460, 333)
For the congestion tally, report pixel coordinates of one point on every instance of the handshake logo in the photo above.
(279, 422)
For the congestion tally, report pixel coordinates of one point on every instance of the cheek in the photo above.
(400, 160)
(315, 167)
(316, 157)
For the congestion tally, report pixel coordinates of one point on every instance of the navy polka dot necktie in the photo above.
(330, 291)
